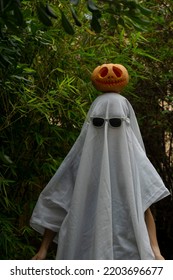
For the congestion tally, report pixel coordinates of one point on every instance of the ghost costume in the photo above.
(97, 198)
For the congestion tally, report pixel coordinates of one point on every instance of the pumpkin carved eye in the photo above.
(117, 71)
(103, 72)
(110, 77)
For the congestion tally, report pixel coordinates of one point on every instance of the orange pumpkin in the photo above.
(110, 77)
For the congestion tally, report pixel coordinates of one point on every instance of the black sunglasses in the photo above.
(113, 122)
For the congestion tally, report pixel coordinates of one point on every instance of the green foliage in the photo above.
(74, 14)
(46, 92)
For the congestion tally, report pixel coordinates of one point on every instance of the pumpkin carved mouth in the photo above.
(109, 82)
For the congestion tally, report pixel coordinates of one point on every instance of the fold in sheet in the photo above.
(97, 198)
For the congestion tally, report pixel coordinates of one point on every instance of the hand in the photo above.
(159, 257)
(47, 239)
(41, 255)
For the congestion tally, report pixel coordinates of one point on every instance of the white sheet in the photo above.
(98, 196)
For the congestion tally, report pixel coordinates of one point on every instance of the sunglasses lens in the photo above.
(115, 122)
(98, 122)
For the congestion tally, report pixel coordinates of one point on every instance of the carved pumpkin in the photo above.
(110, 77)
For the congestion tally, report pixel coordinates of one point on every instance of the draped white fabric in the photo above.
(97, 198)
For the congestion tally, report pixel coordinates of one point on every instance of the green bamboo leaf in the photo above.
(140, 21)
(66, 24)
(50, 12)
(39, 139)
(138, 27)
(93, 8)
(5, 60)
(29, 70)
(74, 2)
(95, 25)
(32, 100)
(4, 5)
(19, 78)
(144, 11)
(18, 14)
(43, 17)
(77, 22)
(143, 53)
(8, 159)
